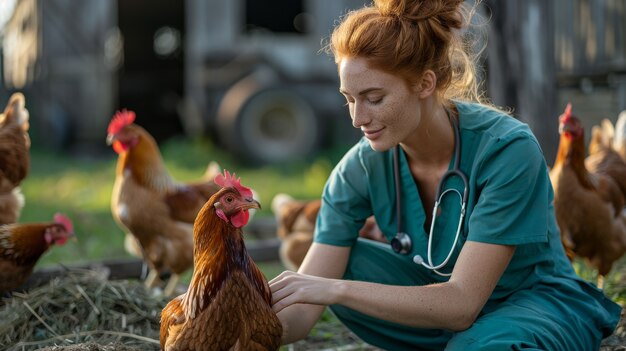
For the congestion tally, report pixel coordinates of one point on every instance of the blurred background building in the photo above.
(250, 74)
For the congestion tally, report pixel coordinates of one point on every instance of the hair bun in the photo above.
(419, 10)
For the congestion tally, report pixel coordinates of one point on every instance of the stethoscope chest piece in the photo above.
(401, 243)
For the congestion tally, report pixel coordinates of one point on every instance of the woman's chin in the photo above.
(380, 146)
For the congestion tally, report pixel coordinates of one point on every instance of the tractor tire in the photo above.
(267, 123)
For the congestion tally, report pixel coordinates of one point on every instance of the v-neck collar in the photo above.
(411, 196)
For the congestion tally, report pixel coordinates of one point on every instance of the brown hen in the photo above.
(154, 210)
(21, 246)
(619, 135)
(14, 157)
(228, 303)
(295, 226)
(587, 204)
(604, 159)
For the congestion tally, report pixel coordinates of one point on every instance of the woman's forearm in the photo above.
(298, 320)
(442, 306)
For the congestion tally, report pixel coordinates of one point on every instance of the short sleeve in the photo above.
(345, 203)
(513, 203)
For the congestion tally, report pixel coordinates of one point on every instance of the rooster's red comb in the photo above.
(567, 114)
(228, 181)
(120, 120)
(62, 219)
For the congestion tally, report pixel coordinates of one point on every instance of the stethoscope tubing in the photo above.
(455, 171)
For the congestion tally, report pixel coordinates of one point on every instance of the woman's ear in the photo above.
(427, 84)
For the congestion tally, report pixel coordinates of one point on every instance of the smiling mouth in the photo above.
(373, 134)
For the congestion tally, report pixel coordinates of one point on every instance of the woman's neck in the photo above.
(432, 145)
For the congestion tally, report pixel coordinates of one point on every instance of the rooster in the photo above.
(587, 204)
(21, 246)
(14, 157)
(154, 210)
(228, 303)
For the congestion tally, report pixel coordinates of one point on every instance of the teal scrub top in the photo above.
(510, 202)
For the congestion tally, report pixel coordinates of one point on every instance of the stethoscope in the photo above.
(401, 243)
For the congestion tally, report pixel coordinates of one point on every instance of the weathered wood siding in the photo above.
(590, 58)
(590, 36)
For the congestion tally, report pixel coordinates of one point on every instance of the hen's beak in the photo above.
(110, 139)
(250, 203)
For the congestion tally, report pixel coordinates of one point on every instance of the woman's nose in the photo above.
(359, 116)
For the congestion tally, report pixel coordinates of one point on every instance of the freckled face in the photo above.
(380, 104)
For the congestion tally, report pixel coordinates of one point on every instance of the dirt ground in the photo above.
(617, 341)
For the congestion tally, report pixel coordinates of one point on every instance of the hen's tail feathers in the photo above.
(212, 170)
(596, 143)
(601, 137)
(279, 201)
(16, 112)
(619, 138)
(608, 131)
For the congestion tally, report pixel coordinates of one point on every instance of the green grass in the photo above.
(80, 187)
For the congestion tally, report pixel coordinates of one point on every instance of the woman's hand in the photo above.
(291, 288)
(301, 298)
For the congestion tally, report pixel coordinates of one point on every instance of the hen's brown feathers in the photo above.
(21, 246)
(156, 211)
(14, 157)
(228, 303)
(588, 201)
(226, 323)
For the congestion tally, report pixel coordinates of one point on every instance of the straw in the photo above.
(81, 307)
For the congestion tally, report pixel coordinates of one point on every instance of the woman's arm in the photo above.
(321, 261)
(452, 305)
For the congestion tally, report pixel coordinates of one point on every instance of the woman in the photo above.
(507, 284)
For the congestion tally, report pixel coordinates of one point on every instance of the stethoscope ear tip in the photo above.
(418, 259)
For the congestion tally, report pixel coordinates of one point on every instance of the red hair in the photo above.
(407, 37)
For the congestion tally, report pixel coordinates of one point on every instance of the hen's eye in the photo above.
(229, 199)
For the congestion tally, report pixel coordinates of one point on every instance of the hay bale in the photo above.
(82, 309)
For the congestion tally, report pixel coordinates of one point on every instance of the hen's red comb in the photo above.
(567, 114)
(228, 181)
(61, 219)
(120, 120)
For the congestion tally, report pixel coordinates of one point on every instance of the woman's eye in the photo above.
(375, 101)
